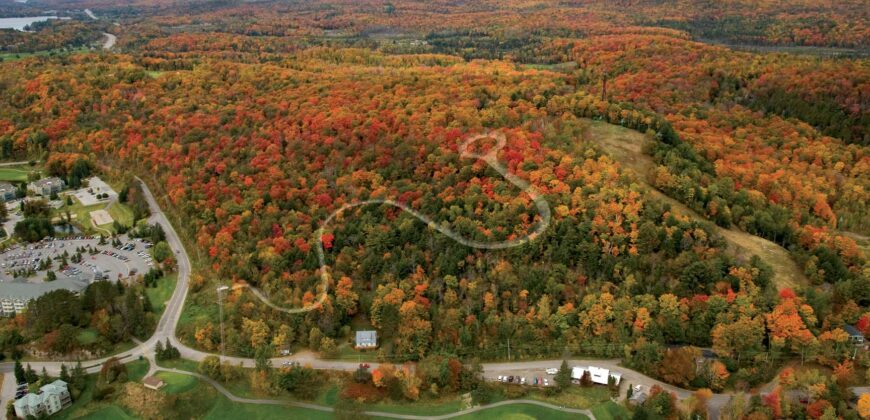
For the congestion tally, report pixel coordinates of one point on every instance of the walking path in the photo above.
(232, 397)
(491, 158)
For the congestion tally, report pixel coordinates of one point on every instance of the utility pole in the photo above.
(221, 312)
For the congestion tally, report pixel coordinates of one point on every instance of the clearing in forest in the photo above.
(626, 147)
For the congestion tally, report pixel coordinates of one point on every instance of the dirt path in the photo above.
(626, 147)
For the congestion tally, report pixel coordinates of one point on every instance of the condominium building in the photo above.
(50, 399)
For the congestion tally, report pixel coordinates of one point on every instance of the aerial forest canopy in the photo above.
(255, 122)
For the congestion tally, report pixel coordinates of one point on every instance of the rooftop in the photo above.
(26, 291)
(852, 331)
(44, 182)
(366, 338)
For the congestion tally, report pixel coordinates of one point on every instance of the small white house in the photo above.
(366, 339)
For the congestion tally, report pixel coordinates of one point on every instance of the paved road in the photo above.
(110, 41)
(168, 322)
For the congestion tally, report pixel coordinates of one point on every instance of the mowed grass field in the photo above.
(14, 173)
(177, 383)
(521, 412)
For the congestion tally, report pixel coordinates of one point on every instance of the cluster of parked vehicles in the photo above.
(21, 391)
(521, 380)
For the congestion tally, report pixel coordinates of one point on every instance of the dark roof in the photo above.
(852, 331)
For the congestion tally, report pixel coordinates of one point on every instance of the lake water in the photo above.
(19, 23)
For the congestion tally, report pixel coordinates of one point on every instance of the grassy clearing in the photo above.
(87, 336)
(160, 295)
(176, 383)
(610, 411)
(521, 412)
(576, 397)
(108, 412)
(137, 370)
(121, 213)
(14, 174)
(180, 364)
(81, 214)
(347, 352)
(154, 73)
(626, 147)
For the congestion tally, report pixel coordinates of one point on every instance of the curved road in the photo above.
(167, 324)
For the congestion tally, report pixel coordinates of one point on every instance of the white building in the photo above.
(596, 374)
(50, 399)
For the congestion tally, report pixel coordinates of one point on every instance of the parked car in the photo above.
(552, 371)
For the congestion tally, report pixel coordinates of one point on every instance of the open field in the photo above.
(14, 174)
(177, 383)
(626, 146)
(520, 412)
(160, 294)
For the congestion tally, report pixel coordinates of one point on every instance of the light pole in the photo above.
(221, 311)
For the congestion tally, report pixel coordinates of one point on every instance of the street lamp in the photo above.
(221, 311)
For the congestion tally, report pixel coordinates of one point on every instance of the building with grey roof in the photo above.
(50, 399)
(7, 191)
(366, 339)
(16, 294)
(46, 186)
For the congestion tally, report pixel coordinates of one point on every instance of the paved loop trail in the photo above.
(491, 158)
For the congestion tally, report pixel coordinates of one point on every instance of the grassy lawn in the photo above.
(421, 408)
(610, 411)
(14, 174)
(347, 352)
(81, 215)
(521, 412)
(225, 409)
(137, 370)
(160, 294)
(176, 383)
(576, 397)
(180, 364)
(108, 412)
(121, 213)
(88, 336)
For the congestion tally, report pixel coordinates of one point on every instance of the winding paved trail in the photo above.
(491, 158)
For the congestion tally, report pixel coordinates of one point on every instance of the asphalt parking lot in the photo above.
(544, 379)
(98, 261)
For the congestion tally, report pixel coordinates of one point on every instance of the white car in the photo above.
(500, 378)
(523, 380)
(546, 382)
(552, 371)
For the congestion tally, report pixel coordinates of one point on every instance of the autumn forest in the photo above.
(704, 195)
